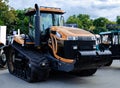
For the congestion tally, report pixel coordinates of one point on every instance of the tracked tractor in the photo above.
(49, 46)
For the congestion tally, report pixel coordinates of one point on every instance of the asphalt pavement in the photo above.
(105, 77)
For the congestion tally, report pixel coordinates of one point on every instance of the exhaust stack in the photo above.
(37, 27)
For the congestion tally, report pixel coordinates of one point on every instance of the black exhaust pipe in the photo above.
(37, 27)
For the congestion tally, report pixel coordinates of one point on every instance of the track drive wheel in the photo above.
(3, 59)
(34, 75)
(88, 72)
(10, 61)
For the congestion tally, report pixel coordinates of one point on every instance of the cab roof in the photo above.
(44, 9)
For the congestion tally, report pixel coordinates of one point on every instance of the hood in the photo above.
(69, 31)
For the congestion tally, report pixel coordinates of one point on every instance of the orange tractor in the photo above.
(50, 46)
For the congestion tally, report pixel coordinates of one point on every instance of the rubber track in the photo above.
(31, 55)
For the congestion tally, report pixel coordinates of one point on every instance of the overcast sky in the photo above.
(95, 8)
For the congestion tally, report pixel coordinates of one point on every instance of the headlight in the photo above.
(94, 47)
(75, 47)
(93, 38)
(72, 38)
(58, 34)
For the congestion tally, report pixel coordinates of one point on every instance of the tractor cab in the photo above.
(40, 23)
(48, 17)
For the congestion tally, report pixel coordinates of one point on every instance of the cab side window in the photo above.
(32, 27)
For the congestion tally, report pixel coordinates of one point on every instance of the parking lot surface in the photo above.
(105, 77)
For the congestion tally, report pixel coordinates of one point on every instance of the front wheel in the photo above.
(87, 72)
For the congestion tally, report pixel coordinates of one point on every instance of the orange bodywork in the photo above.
(69, 31)
(20, 40)
(54, 48)
(65, 32)
(46, 9)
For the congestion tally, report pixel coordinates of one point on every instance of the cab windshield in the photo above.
(48, 19)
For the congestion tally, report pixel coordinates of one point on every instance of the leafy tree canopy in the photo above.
(7, 14)
(100, 22)
(82, 20)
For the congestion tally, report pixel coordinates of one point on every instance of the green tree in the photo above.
(21, 21)
(82, 20)
(74, 20)
(85, 20)
(97, 30)
(111, 25)
(118, 20)
(7, 14)
(100, 22)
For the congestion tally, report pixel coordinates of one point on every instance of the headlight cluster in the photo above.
(72, 38)
(93, 38)
(94, 47)
(80, 38)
